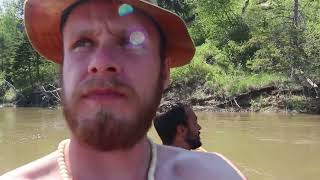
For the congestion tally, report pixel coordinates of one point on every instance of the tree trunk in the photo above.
(245, 6)
(296, 13)
(30, 74)
(37, 59)
(295, 34)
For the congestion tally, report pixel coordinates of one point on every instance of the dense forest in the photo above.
(256, 55)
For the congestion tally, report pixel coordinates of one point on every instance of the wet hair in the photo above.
(166, 122)
(162, 37)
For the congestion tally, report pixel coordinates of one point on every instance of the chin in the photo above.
(106, 130)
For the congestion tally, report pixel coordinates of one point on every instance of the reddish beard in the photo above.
(105, 131)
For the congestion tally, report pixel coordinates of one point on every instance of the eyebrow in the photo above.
(84, 32)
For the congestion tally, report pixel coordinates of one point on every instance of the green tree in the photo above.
(20, 64)
(289, 32)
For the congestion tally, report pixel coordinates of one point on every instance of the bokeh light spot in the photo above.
(125, 9)
(137, 38)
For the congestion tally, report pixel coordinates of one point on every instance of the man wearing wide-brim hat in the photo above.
(115, 61)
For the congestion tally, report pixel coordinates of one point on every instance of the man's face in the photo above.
(193, 136)
(111, 75)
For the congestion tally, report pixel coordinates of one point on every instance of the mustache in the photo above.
(100, 83)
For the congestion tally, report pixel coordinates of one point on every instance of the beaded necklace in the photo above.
(65, 174)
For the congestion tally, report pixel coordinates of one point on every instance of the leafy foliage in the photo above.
(256, 39)
(20, 65)
(240, 45)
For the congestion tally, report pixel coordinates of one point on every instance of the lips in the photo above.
(103, 95)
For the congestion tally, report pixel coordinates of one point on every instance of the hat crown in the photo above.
(153, 2)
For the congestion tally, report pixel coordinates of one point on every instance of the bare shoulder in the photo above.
(197, 165)
(39, 169)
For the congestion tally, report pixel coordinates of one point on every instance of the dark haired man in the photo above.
(115, 57)
(177, 125)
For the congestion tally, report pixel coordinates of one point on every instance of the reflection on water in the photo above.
(264, 146)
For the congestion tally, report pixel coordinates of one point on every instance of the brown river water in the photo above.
(265, 146)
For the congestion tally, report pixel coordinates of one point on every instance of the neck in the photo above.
(181, 144)
(84, 162)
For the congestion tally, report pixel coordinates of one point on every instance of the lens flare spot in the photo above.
(125, 9)
(137, 38)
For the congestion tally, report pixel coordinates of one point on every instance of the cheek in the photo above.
(67, 83)
(145, 76)
(71, 75)
(193, 129)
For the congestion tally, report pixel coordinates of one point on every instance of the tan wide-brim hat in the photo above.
(42, 23)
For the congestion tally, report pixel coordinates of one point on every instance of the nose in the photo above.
(199, 127)
(104, 61)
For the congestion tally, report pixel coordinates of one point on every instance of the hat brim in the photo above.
(42, 23)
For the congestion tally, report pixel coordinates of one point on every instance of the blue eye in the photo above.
(82, 43)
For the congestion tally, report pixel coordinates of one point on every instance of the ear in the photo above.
(166, 72)
(181, 130)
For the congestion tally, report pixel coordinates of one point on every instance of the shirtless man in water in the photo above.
(177, 125)
(115, 58)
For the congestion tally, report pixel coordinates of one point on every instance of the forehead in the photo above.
(191, 115)
(110, 15)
